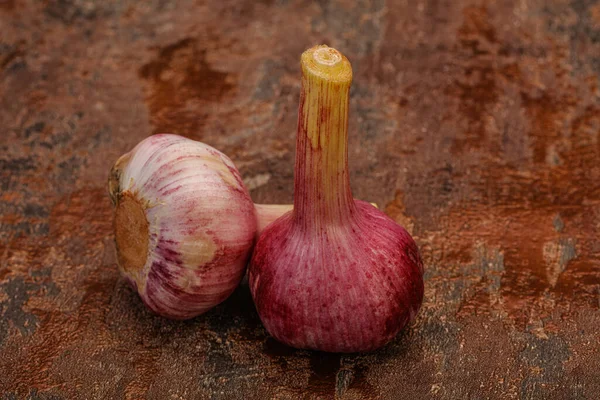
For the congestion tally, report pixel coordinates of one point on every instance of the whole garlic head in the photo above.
(184, 224)
(335, 274)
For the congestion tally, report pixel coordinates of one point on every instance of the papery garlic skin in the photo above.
(335, 274)
(371, 287)
(200, 224)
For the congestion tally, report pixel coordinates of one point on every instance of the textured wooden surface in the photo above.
(473, 123)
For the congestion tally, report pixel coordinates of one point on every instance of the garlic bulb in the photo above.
(184, 224)
(335, 274)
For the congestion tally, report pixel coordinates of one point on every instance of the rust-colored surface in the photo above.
(476, 124)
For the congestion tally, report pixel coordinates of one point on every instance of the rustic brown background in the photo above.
(473, 123)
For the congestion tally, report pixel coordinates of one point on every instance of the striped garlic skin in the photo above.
(341, 288)
(335, 274)
(201, 224)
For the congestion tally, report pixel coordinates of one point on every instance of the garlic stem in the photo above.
(322, 194)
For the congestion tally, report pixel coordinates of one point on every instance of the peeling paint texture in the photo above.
(475, 124)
